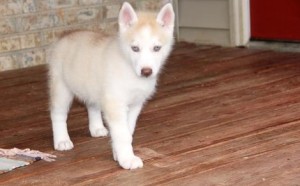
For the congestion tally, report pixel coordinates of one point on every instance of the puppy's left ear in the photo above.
(166, 17)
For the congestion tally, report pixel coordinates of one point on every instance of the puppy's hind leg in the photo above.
(96, 126)
(60, 100)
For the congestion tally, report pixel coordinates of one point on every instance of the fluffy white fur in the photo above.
(108, 74)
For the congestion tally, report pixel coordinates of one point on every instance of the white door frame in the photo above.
(176, 29)
(239, 22)
(239, 15)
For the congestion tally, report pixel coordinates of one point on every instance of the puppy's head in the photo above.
(146, 38)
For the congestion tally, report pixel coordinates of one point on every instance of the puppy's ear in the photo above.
(127, 16)
(166, 17)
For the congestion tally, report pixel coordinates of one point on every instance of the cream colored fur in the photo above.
(109, 74)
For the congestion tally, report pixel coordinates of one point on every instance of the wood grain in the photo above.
(221, 116)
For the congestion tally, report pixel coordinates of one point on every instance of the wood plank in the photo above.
(221, 116)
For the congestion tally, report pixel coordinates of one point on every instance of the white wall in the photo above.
(221, 22)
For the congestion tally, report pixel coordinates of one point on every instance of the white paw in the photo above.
(133, 162)
(64, 145)
(99, 132)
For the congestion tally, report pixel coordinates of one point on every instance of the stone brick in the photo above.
(151, 4)
(112, 11)
(89, 2)
(39, 21)
(7, 25)
(48, 37)
(9, 62)
(10, 7)
(76, 16)
(42, 5)
(89, 14)
(33, 58)
(113, 1)
(31, 40)
(63, 3)
(10, 44)
(29, 6)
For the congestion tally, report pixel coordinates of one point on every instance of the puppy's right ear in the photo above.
(127, 17)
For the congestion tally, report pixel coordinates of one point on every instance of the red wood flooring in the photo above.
(221, 116)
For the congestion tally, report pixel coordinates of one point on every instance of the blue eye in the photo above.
(135, 48)
(156, 48)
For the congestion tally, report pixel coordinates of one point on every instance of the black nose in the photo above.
(146, 72)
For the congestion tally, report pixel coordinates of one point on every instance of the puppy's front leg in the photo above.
(133, 115)
(116, 117)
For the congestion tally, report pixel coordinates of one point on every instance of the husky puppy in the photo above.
(112, 74)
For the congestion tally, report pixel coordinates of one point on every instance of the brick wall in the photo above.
(151, 4)
(28, 27)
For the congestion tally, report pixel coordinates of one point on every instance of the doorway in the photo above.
(275, 20)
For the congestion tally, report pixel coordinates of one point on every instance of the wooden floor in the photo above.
(221, 116)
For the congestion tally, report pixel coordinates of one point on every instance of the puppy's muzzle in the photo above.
(146, 72)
